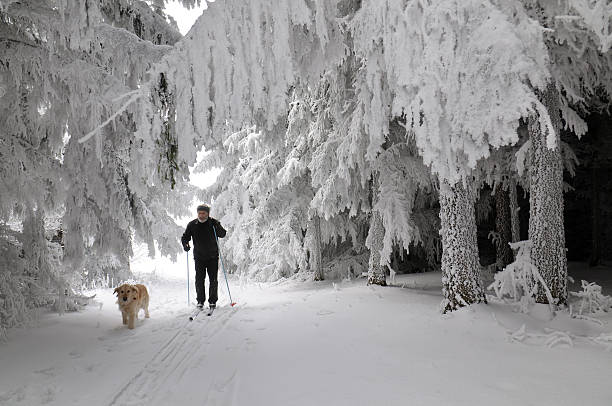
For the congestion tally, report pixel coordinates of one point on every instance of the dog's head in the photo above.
(127, 294)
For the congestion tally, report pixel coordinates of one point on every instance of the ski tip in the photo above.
(190, 318)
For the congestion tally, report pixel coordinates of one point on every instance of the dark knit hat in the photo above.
(204, 207)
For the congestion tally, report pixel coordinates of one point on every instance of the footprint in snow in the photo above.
(51, 371)
(48, 395)
(324, 312)
(18, 395)
(74, 354)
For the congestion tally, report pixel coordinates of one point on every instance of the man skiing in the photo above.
(205, 252)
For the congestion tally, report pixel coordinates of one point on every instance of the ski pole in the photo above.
(187, 256)
(223, 268)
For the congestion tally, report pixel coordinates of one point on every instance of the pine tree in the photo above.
(580, 75)
(464, 106)
(69, 79)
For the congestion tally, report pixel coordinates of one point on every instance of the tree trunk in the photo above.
(514, 212)
(503, 226)
(546, 230)
(374, 241)
(61, 299)
(460, 264)
(595, 257)
(315, 255)
(376, 272)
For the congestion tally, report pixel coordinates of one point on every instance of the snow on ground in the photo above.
(307, 343)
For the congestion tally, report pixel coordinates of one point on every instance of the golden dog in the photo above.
(132, 298)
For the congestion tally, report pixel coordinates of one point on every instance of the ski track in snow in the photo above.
(174, 359)
(303, 343)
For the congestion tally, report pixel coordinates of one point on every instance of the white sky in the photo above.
(184, 17)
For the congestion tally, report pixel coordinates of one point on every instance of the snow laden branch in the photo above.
(592, 300)
(597, 15)
(69, 70)
(319, 93)
(556, 338)
(134, 96)
(520, 281)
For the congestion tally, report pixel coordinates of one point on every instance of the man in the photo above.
(205, 252)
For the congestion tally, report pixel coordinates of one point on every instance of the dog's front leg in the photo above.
(131, 320)
(124, 316)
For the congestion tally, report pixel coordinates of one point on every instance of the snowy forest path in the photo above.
(184, 349)
(301, 343)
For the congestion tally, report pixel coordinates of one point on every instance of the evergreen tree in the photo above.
(70, 74)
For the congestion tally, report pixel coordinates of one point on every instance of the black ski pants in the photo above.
(202, 267)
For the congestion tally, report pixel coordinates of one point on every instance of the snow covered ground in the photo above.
(307, 343)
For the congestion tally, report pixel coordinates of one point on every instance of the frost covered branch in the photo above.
(592, 300)
(520, 280)
(136, 94)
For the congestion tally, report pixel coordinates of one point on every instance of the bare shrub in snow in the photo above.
(591, 299)
(520, 280)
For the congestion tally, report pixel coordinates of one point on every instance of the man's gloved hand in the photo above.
(186, 247)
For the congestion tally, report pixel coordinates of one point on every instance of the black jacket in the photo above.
(204, 243)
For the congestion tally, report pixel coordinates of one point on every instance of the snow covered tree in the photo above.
(579, 63)
(492, 57)
(234, 71)
(336, 123)
(503, 171)
(70, 72)
(463, 73)
(296, 58)
(546, 231)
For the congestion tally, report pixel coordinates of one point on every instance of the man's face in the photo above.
(203, 215)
